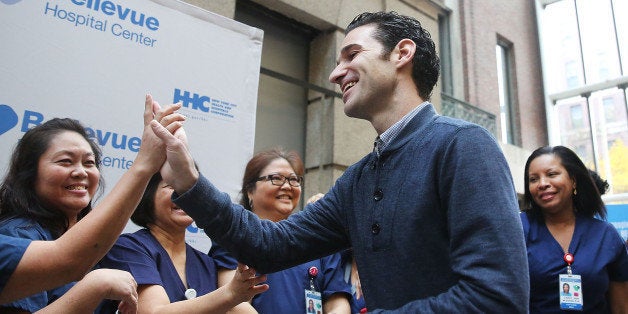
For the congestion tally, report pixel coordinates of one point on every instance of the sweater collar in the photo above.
(416, 123)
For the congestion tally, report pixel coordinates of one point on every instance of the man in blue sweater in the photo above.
(431, 214)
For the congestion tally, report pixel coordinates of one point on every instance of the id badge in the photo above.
(570, 291)
(313, 302)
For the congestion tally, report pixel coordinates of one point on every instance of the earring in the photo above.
(251, 204)
(575, 192)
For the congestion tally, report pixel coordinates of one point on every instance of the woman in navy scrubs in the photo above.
(43, 246)
(271, 188)
(171, 275)
(53, 176)
(568, 240)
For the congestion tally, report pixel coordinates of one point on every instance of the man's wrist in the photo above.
(186, 183)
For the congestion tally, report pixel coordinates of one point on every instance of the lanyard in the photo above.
(568, 258)
(312, 273)
(570, 287)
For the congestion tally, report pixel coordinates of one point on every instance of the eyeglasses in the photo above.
(279, 180)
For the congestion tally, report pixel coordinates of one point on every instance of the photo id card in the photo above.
(313, 302)
(570, 291)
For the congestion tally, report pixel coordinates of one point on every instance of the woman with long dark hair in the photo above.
(49, 237)
(568, 241)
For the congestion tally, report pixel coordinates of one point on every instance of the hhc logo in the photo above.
(195, 102)
(217, 107)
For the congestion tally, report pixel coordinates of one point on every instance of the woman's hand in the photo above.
(118, 285)
(355, 279)
(246, 284)
(152, 153)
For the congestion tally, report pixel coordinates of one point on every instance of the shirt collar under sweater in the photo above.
(384, 139)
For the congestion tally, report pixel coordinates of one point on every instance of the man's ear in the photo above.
(405, 50)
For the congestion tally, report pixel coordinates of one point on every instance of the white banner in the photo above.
(94, 60)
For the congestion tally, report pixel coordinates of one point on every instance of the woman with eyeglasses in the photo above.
(271, 188)
(171, 276)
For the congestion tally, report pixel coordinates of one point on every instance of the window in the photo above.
(584, 43)
(610, 113)
(505, 82)
(445, 55)
(571, 73)
(620, 8)
(577, 118)
(602, 67)
(581, 151)
(599, 42)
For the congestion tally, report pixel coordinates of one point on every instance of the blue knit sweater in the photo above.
(433, 223)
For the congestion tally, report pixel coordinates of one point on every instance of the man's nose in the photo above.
(337, 74)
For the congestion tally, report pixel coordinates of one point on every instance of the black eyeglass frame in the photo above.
(290, 179)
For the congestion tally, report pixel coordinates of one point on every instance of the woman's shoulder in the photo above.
(597, 224)
(24, 227)
(601, 230)
(141, 236)
(140, 240)
(137, 246)
(529, 218)
(18, 222)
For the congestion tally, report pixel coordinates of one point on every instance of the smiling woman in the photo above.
(271, 188)
(53, 178)
(566, 235)
(48, 239)
(264, 184)
(171, 275)
(63, 167)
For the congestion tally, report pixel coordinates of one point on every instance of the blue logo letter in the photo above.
(31, 118)
(9, 118)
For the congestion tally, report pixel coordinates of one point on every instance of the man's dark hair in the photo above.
(391, 29)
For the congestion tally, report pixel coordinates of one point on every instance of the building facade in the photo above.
(491, 75)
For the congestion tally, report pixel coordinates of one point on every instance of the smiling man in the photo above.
(431, 213)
